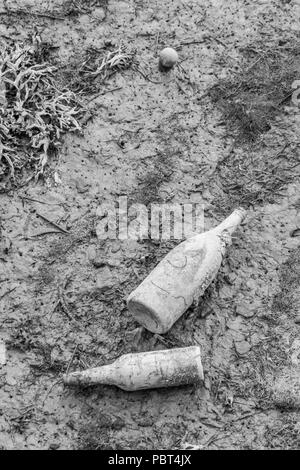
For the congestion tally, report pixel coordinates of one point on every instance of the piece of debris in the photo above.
(182, 277)
(57, 179)
(135, 336)
(295, 233)
(2, 353)
(286, 390)
(105, 280)
(187, 446)
(168, 57)
(54, 446)
(5, 245)
(140, 371)
(58, 227)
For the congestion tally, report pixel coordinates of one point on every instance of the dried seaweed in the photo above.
(34, 112)
(251, 97)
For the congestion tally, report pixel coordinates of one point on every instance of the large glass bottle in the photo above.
(182, 276)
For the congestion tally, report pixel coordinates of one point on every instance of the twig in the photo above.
(192, 42)
(41, 233)
(220, 42)
(32, 13)
(156, 42)
(104, 93)
(215, 438)
(51, 388)
(239, 418)
(62, 302)
(41, 202)
(149, 79)
(71, 360)
(7, 292)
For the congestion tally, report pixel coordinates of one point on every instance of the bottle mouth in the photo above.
(145, 316)
(72, 378)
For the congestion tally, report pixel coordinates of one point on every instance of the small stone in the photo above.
(105, 280)
(99, 14)
(91, 253)
(82, 186)
(54, 446)
(236, 324)
(242, 347)
(115, 247)
(297, 320)
(11, 381)
(295, 352)
(244, 310)
(115, 263)
(99, 262)
(231, 278)
(225, 292)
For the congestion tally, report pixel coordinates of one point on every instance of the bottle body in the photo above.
(181, 277)
(154, 369)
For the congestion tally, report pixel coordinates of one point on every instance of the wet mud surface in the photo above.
(62, 295)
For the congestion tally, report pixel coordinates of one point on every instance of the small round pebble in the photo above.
(168, 57)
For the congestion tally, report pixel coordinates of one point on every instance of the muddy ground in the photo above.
(154, 139)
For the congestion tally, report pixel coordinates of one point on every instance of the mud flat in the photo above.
(156, 138)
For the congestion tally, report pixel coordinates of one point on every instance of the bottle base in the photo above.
(145, 316)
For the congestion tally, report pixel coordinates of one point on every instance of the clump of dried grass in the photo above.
(264, 156)
(78, 7)
(251, 97)
(289, 278)
(256, 176)
(34, 112)
(72, 8)
(284, 434)
(86, 73)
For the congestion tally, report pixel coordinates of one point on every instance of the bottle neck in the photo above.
(231, 223)
(97, 375)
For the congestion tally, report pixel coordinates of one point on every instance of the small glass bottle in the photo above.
(153, 369)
